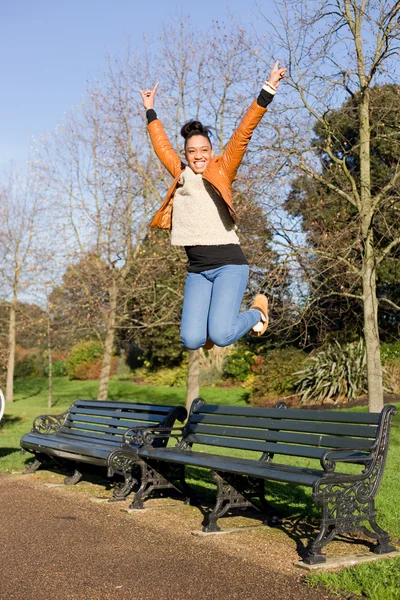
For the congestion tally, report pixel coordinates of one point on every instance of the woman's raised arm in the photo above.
(237, 145)
(159, 138)
(148, 97)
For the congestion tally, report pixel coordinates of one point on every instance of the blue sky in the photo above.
(50, 48)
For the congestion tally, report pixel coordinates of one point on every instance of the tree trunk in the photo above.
(108, 345)
(370, 301)
(192, 387)
(11, 353)
(371, 331)
(50, 365)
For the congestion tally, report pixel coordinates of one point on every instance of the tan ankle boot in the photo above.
(260, 303)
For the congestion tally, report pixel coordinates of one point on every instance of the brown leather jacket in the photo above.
(221, 171)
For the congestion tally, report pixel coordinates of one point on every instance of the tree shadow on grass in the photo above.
(9, 420)
(28, 388)
(6, 451)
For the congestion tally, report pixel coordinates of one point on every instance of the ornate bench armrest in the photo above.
(349, 455)
(145, 436)
(48, 423)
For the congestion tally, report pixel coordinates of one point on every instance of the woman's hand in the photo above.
(276, 74)
(148, 97)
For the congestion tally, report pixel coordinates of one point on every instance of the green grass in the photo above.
(30, 400)
(375, 581)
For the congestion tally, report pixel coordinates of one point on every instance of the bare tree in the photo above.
(95, 169)
(19, 216)
(336, 51)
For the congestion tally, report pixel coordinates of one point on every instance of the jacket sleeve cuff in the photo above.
(264, 98)
(151, 115)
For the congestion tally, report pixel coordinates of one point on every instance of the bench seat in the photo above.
(328, 439)
(229, 464)
(63, 444)
(98, 433)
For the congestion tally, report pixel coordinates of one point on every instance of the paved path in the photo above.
(57, 545)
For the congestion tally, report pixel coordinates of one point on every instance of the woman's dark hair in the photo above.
(193, 127)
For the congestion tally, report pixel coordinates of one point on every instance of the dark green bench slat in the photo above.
(104, 428)
(74, 445)
(110, 422)
(242, 461)
(297, 414)
(285, 449)
(210, 440)
(223, 463)
(89, 427)
(279, 436)
(74, 426)
(73, 433)
(145, 417)
(52, 438)
(132, 406)
(77, 457)
(367, 431)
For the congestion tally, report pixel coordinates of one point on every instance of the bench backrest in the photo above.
(293, 432)
(108, 421)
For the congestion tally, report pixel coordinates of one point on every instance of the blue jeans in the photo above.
(211, 305)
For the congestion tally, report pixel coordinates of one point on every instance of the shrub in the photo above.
(172, 377)
(273, 375)
(58, 366)
(28, 363)
(91, 369)
(27, 366)
(90, 351)
(336, 372)
(390, 352)
(238, 364)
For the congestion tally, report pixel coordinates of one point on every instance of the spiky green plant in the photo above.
(336, 372)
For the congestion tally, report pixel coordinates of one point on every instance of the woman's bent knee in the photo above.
(192, 342)
(221, 338)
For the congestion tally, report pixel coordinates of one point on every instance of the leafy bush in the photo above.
(58, 366)
(91, 369)
(90, 351)
(390, 352)
(273, 375)
(337, 372)
(238, 364)
(28, 366)
(29, 362)
(172, 377)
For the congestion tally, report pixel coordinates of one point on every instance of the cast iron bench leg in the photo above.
(122, 461)
(384, 546)
(229, 495)
(31, 468)
(345, 507)
(121, 492)
(150, 480)
(160, 476)
(77, 476)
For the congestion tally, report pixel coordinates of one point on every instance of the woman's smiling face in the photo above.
(198, 153)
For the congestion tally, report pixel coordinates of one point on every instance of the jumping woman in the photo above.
(198, 210)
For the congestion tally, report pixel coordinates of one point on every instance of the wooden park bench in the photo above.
(328, 439)
(90, 431)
